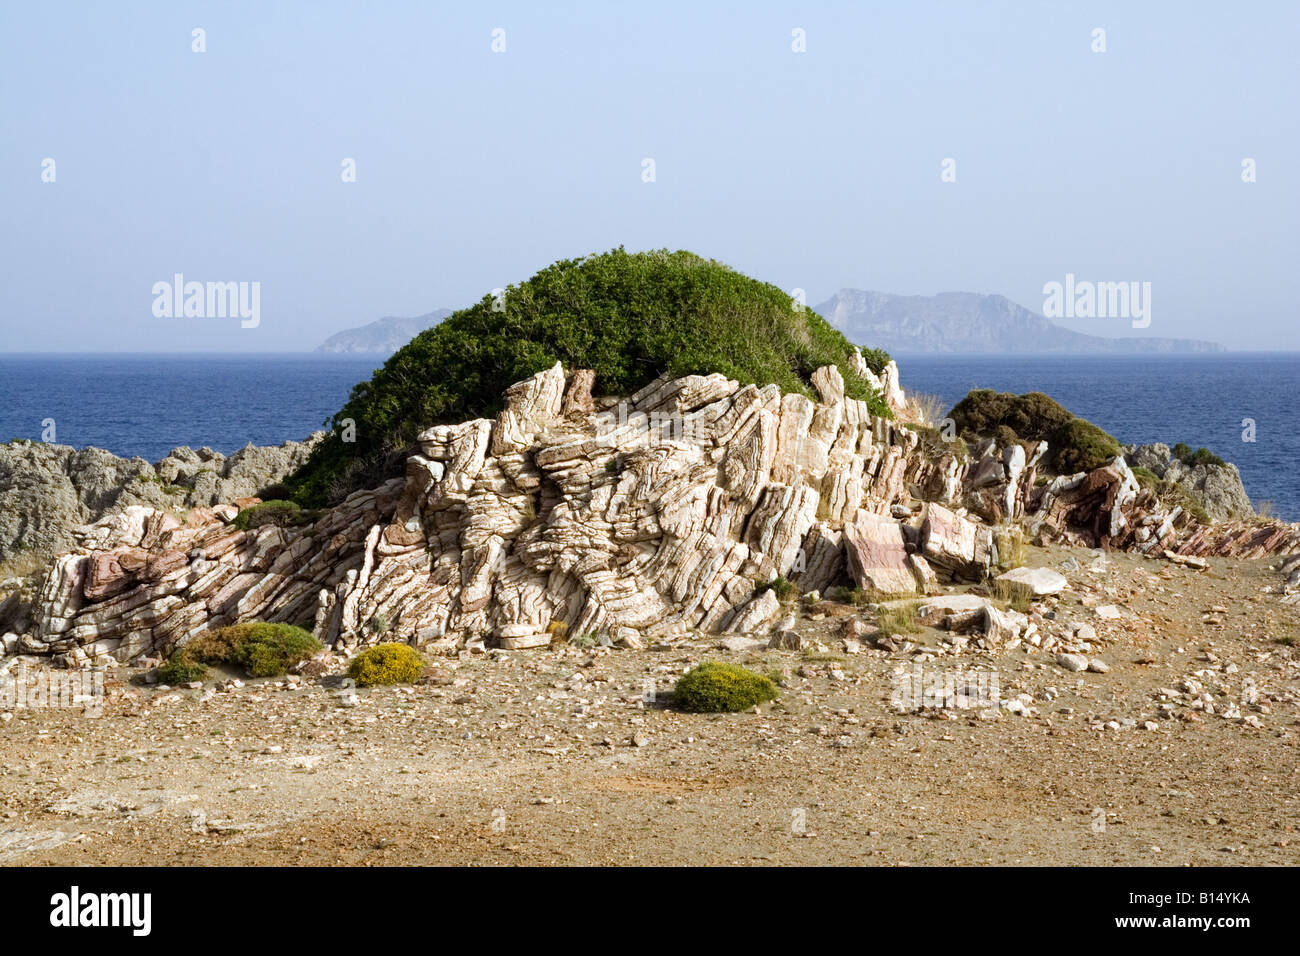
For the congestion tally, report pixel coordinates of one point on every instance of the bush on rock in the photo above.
(629, 317)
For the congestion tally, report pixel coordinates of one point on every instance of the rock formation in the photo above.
(634, 520)
(46, 491)
(1216, 487)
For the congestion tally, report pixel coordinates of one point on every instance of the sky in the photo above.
(474, 167)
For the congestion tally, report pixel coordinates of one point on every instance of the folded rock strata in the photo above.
(636, 519)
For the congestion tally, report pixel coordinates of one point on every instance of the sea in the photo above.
(145, 405)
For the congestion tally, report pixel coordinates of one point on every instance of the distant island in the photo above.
(965, 322)
(953, 322)
(381, 337)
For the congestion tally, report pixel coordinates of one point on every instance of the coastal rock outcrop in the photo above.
(46, 491)
(632, 520)
(1216, 487)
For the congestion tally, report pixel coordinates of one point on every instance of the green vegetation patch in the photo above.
(1074, 444)
(261, 649)
(1202, 456)
(1082, 446)
(628, 316)
(281, 513)
(714, 688)
(783, 589)
(386, 664)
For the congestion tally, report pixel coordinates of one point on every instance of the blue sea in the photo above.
(146, 405)
(1198, 399)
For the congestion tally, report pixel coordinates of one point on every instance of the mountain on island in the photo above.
(966, 322)
(381, 337)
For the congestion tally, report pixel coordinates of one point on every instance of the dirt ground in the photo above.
(556, 757)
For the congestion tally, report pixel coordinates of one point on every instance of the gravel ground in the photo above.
(557, 757)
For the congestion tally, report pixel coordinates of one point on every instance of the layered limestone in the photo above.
(635, 520)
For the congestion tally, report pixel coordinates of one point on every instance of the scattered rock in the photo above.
(1073, 662)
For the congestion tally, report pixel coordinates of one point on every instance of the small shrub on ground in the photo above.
(386, 664)
(899, 620)
(261, 649)
(714, 687)
(858, 597)
(282, 513)
(1016, 598)
(1011, 547)
(269, 650)
(180, 669)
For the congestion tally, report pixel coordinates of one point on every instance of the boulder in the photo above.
(1034, 582)
(954, 543)
(877, 555)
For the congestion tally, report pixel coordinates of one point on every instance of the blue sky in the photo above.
(816, 170)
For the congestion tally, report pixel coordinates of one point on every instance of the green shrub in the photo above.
(261, 649)
(783, 589)
(1146, 478)
(714, 687)
(1030, 417)
(1172, 494)
(278, 491)
(876, 359)
(1202, 456)
(1074, 444)
(386, 664)
(269, 650)
(855, 596)
(280, 513)
(1080, 445)
(627, 316)
(180, 669)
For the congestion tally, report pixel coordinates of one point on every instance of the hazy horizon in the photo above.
(815, 170)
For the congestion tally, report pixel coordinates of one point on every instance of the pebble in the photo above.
(1073, 662)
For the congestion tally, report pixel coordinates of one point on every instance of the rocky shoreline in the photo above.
(630, 521)
(48, 491)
